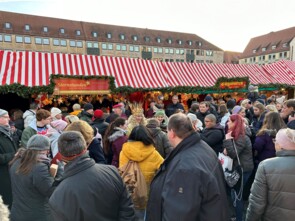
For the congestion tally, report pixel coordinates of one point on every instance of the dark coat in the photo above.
(101, 125)
(90, 192)
(272, 194)
(96, 152)
(214, 137)
(84, 115)
(201, 116)
(117, 139)
(291, 124)
(172, 108)
(162, 144)
(257, 122)
(7, 151)
(189, 185)
(31, 193)
(265, 147)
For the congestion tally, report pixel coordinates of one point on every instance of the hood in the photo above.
(28, 113)
(155, 131)
(137, 151)
(33, 124)
(119, 132)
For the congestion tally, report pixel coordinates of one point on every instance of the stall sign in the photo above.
(80, 86)
(233, 84)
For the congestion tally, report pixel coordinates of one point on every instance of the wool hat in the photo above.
(11, 123)
(261, 101)
(76, 107)
(88, 106)
(118, 106)
(3, 112)
(236, 109)
(286, 139)
(208, 98)
(159, 113)
(38, 142)
(59, 124)
(192, 117)
(55, 111)
(98, 114)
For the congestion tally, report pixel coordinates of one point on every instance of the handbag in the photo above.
(226, 162)
(233, 177)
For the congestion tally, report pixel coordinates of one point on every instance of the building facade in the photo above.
(21, 32)
(270, 48)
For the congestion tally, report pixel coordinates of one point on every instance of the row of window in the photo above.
(270, 57)
(45, 29)
(273, 47)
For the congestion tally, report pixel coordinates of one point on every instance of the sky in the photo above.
(228, 24)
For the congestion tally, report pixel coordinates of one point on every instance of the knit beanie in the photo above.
(38, 142)
(3, 112)
(159, 113)
(59, 124)
(286, 139)
(88, 106)
(55, 111)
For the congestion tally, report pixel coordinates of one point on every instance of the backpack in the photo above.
(135, 183)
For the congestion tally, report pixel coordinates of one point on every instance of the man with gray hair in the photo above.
(88, 191)
(213, 134)
(190, 183)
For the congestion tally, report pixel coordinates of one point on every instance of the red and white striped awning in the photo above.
(283, 71)
(206, 75)
(34, 69)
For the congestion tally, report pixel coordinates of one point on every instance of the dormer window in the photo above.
(27, 27)
(158, 40)
(189, 42)
(263, 49)
(122, 36)
(169, 40)
(199, 43)
(45, 29)
(254, 51)
(273, 47)
(78, 32)
(135, 37)
(62, 30)
(109, 35)
(147, 39)
(179, 42)
(94, 34)
(7, 25)
(285, 45)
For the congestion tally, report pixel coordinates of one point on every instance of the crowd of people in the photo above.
(56, 165)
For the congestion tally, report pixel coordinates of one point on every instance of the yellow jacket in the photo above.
(147, 157)
(76, 112)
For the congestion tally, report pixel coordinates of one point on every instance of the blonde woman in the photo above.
(137, 118)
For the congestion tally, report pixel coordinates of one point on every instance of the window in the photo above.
(160, 50)
(269, 57)
(147, 39)
(27, 27)
(19, 39)
(158, 40)
(1, 38)
(7, 25)
(28, 40)
(182, 51)
(245, 60)
(189, 42)
(263, 49)
(38, 41)
(72, 43)
(78, 32)
(169, 40)
(55, 42)
(46, 41)
(63, 42)
(134, 37)
(263, 58)
(109, 35)
(62, 30)
(122, 36)
(136, 48)
(124, 48)
(104, 46)
(110, 46)
(285, 45)
(79, 44)
(89, 44)
(273, 56)
(95, 44)
(273, 47)
(199, 43)
(118, 47)
(177, 51)
(94, 34)
(209, 53)
(171, 51)
(166, 50)
(254, 59)
(285, 54)
(254, 51)
(155, 50)
(198, 52)
(45, 29)
(131, 48)
(179, 42)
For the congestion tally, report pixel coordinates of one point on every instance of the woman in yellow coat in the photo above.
(140, 148)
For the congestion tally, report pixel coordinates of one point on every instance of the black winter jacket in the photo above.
(90, 192)
(189, 185)
(214, 137)
(161, 141)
